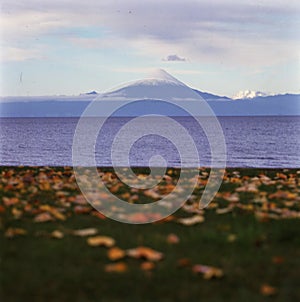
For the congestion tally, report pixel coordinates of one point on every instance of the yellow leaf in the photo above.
(57, 234)
(231, 238)
(53, 211)
(16, 213)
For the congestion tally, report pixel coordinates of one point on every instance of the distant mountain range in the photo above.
(151, 91)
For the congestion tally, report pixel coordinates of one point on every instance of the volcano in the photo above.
(159, 85)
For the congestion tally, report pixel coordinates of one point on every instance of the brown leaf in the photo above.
(120, 267)
(115, 253)
(183, 262)
(12, 232)
(101, 241)
(82, 209)
(278, 259)
(267, 290)
(143, 252)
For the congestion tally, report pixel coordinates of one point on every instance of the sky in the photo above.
(62, 47)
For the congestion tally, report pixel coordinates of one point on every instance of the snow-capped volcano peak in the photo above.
(158, 85)
(162, 75)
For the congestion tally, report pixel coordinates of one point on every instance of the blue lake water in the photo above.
(270, 142)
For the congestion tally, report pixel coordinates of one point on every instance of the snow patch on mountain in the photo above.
(248, 94)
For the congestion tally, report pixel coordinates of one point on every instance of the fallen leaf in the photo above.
(43, 217)
(98, 214)
(115, 253)
(184, 262)
(278, 259)
(57, 234)
(12, 232)
(208, 272)
(10, 201)
(224, 210)
(16, 213)
(173, 239)
(101, 241)
(267, 290)
(82, 210)
(85, 232)
(231, 238)
(191, 220)
(120, 267)
(147, 266)
(143, 252)
(57, 214)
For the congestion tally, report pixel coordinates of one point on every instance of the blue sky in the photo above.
(70, 47)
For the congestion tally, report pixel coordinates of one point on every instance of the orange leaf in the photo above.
(98, 214)
(115, 253)
(268, 290)
(143, 252)
(101, 241)
(147, 266)
(119, 267)
(183, 262)
(173, 239)
(12, 232)
(278, 259)
(10, 201)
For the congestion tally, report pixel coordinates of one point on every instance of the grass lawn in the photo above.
(250, 233)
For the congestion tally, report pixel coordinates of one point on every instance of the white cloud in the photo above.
(227, 32)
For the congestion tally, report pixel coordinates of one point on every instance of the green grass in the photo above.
(38, 268)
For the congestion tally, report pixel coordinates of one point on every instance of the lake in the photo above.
(265, 142)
